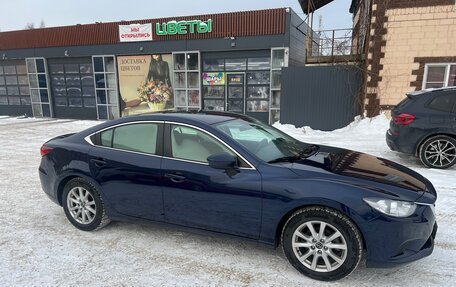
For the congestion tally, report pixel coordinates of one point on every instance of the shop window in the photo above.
(214, 105)
(279, 59)
(39, 93)
(193, 80)
(98, 64)
(192, 61)
(179, 62)
(109, 64)
(180, 99)
(85, 69)
(214, 92)
(258, 92)
(14, 83)
(40, 69)
(193, 98)
(255, 78)
(439, 75)
(186, 80)
(257, 106)
(276, 81)
(275, 99)
(210, 65)
(236, 64)
(179, 80)
(56, 69)
(259, 63)
(106, 88)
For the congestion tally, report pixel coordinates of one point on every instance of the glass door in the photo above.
(235, 96)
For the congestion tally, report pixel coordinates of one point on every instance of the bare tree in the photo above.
(30, 25)
(42, 24)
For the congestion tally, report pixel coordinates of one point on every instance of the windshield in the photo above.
(265, 142)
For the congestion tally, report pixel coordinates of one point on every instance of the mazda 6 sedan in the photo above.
(227, 173)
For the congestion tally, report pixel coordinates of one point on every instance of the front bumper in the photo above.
(395, 241)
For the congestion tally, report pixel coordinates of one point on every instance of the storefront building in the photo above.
(222, 62)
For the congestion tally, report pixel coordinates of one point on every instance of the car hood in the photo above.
(353, 164)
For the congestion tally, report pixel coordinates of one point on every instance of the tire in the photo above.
(83, 205)
(438, 152)
(315, 256)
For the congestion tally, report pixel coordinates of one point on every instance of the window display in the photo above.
(258, 92)
(257, 106)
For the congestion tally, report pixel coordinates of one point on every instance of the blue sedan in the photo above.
(227, 173)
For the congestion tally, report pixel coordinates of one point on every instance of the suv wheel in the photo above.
(438, 152)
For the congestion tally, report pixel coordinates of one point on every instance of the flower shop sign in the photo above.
(135, 32)
(183, 27)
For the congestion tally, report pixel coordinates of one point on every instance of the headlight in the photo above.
(391, 207)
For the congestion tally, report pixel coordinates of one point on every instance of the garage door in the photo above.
(73, 91)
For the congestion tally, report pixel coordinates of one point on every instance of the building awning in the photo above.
(314, 5)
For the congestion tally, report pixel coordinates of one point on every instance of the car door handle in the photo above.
(98, 162)
(176, 178)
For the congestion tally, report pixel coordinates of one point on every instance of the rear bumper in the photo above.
(396, 143)
(47, 184)
(393, 242)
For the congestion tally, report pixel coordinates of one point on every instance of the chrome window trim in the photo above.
(89, 141)
(218, 139)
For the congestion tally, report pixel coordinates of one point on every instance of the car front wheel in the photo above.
(322, 243)
(438, 152)
(83, 205)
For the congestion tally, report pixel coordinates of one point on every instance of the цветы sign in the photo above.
(135, 32)
(183, 27)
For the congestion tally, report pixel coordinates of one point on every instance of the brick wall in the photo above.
(400, 37)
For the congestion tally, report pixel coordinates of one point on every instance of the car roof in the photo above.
(206, 117)
(431, 90)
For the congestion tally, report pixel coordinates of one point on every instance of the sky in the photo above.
(15, 14)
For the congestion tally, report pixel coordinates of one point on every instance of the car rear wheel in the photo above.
(438, 152)
(322, 243)
(83, 205)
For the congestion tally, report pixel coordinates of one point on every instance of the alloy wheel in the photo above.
(81, 205)
(440, 153)
(319, 246)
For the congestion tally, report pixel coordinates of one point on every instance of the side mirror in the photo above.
(222, 161)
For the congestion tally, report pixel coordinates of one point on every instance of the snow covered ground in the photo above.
(38, 246)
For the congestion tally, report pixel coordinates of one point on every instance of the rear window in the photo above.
(402, 103)
(443, 103)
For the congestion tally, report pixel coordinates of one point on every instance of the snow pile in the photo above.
(359, 126)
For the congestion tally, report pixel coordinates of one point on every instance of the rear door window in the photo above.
(136, 137)
(140, 137)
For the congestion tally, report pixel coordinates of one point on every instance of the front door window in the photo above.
(194, 145)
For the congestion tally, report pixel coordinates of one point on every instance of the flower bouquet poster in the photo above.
(145, 83)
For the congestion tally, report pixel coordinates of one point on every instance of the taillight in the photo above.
(44, 150)
(404, 119)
